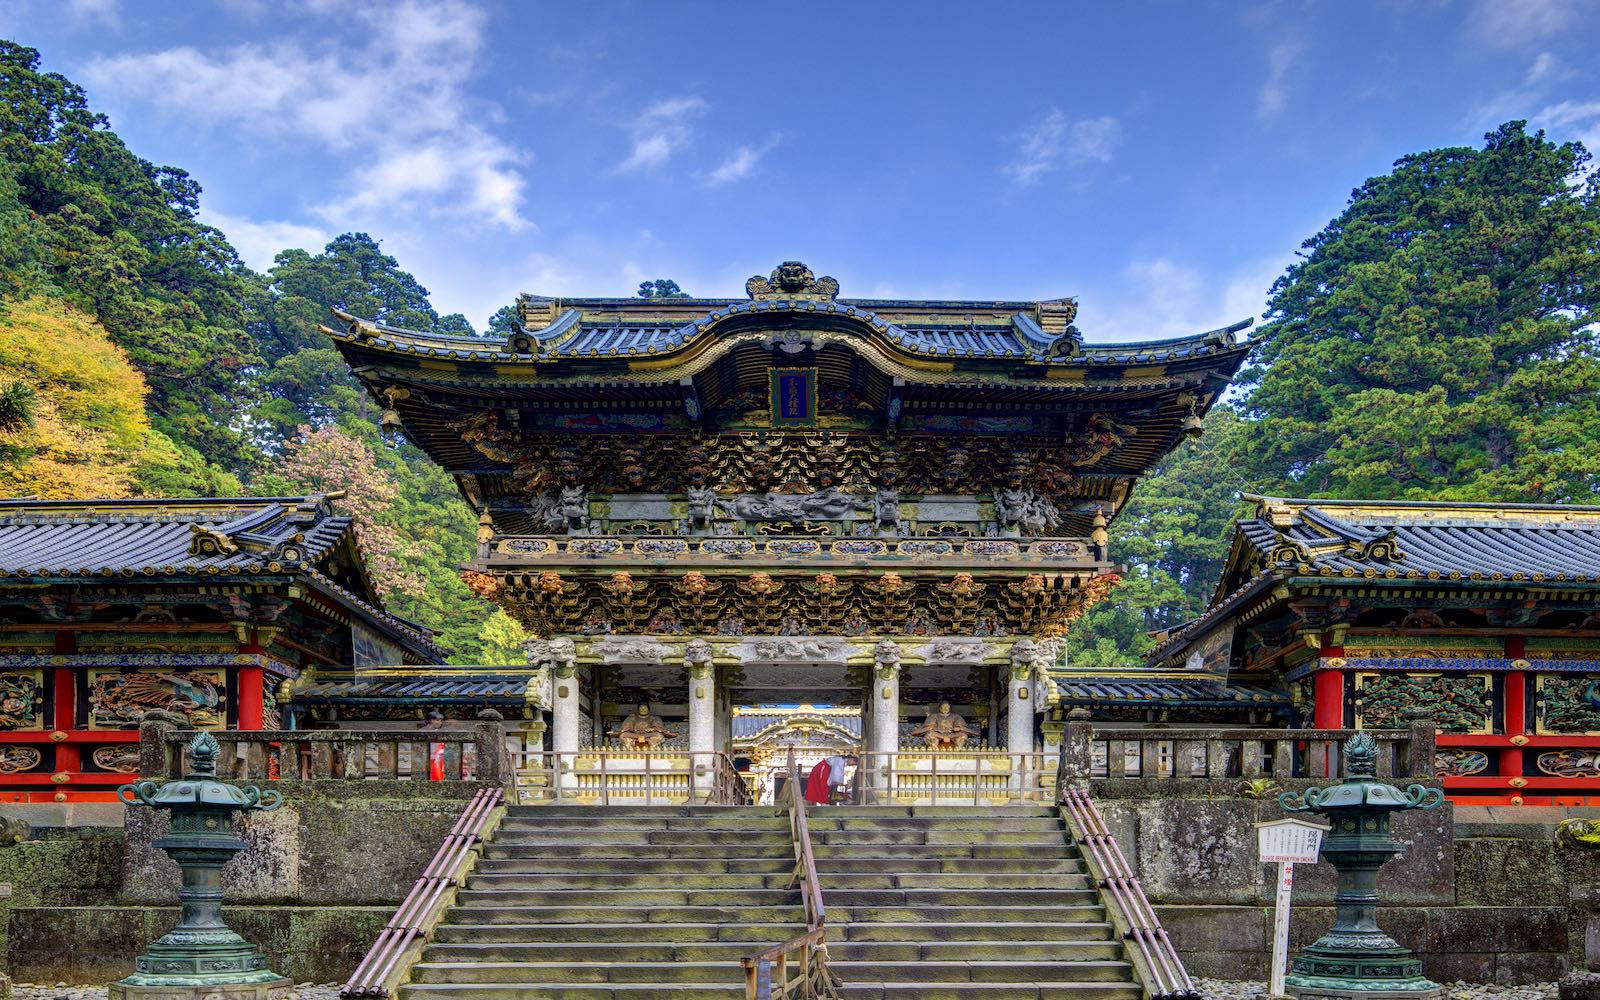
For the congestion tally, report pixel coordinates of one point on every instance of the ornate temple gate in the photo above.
(698, 505)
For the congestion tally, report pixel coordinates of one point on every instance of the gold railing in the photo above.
(612, 777)
(953, 778)
(770, 974)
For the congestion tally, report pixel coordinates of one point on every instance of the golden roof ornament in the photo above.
(792, 280)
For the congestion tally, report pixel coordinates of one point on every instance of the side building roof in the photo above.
(203, 540)
(1527, 548)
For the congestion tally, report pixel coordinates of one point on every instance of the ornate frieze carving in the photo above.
(1455, 703)
(954, 649)
(823, 505)
(630, 649)
(896, 602)
(1569, 704)
(541, 464)
(1025, 512)
(803, 649)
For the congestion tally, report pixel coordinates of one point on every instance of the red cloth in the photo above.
(817, 788)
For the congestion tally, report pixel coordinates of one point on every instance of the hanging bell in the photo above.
(1193, 427)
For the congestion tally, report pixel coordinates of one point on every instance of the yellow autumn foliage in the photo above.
(90, 435)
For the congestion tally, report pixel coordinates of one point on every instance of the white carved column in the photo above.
(1020, 705)
(884, 734)
(702, 682)
(564, 707)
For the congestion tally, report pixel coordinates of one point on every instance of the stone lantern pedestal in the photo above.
(201, 958)
(1356, 960)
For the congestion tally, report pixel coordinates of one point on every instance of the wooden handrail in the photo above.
(377, 973)
(815, 979)
(1158, 958)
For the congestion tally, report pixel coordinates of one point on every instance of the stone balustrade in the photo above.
(478, 754)
(1177, 755)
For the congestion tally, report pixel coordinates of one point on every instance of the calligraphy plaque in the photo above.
(794, 397)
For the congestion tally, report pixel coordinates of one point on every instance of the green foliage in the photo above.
(503, 637)
(1436, 340)
(1173, 537)
(1259, 788)
(17, 400)
(503, 323)
(661, 288)
(117, 236)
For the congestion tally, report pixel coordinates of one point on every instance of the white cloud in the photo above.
(106, 13)
(1273, 96)
(1514, 23)
(661, 131)
(1057, 140)
(397, 105)
(1159, 297)
(741, 163)
(1572, 120)
(1546, 68)
(259, 242)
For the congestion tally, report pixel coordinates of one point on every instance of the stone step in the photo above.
(717, 972)
(956, 897)
(571, 991)
(840, 881)
(991, 991)
(773, 866)
(819, 824)
(707, 991)
(937, 836)
(704, 839)
(521, 917)
(1085, 915)
(624, 881)
(510, 932)
(655, 973)
(511, 848)
(942, 812)
(986, 971)
(955, 931)
(831, 882)
(724, 951)
(469, 899)
(890, 854)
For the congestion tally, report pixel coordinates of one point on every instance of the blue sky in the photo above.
(1160, 161)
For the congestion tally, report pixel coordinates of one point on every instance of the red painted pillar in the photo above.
(65, 715)
(251, 690)
(1328, 692)
(1515, 701)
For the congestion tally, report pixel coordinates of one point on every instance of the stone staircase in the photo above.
(589, 903)
(956, 902)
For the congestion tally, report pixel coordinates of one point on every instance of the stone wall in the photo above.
(320, 877)
(330, 843)
(97, 944)
(1482, 895)
(66, 868)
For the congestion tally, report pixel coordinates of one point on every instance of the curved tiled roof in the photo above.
(1166, 691)
(1430, 541)
(214, 537)
(149, 537)
(602, 329)
(433, 684)
(1398, 543)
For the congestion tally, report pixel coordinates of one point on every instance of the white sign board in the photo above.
(1290, 840)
